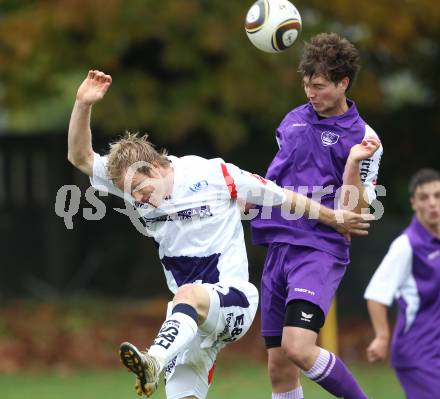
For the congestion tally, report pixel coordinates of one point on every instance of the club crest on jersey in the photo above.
(329, 138)
(200, 185)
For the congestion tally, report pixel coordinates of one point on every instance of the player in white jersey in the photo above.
(189, 206)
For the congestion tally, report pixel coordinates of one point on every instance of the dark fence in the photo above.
(41, 257)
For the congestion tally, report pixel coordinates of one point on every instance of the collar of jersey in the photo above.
(177, 176)
(422, 232)
(345, 121)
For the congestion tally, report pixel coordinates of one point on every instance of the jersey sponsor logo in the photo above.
(306, 317)
(200, 212)
(167, 334)
(305, 290)
(365, 169)
(329, 138)
(299, 124)
(200, 185)
(170, 367)
(232, 335)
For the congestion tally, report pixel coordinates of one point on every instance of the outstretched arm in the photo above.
(251, 189)
(343, 221)
(80, 150)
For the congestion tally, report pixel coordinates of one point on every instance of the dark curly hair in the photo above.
(331, 56)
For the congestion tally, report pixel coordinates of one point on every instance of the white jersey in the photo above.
(369, 168)
(393, 278)
(198, 229)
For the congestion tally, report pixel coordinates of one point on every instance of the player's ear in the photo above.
(344, 83)
(412, 202)
(154, 170)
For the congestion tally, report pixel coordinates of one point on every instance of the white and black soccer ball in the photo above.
(273, 25)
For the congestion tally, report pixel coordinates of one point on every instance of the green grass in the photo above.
(232, 379)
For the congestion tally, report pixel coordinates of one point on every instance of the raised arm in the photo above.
(352, 179)
(80, 150)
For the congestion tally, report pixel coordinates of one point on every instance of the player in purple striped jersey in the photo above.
(189, 206)
(410, 275)
(325, 149)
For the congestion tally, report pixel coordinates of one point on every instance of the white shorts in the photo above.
(231, 312)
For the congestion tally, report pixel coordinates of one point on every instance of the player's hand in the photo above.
(364, 150)
(350, 223)
(377, 350)
(93, 88)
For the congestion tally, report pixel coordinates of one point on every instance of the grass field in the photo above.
(232, 379)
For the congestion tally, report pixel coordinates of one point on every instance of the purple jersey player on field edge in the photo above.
(410, 273)
(325, 149)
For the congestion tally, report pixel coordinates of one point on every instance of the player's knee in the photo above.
(186, 294)
(297, 353)
(193, 295)
(276, 370)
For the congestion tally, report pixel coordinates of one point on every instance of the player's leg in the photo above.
(190, 308)
(313, 277)
(191, 372)
(321, 366)
(283, 374)
(231, 312)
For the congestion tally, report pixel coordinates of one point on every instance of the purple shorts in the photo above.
(296, 272)
(420, 383)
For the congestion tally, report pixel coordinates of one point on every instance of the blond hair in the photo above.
(130, 149)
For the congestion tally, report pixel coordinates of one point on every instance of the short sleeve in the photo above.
(100, 179)
(391, 273)
(369, 168)
(252, 188)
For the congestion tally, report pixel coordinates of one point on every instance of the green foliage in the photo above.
(185, 69)
(178, 67)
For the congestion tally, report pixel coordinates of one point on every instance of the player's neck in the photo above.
(434, 229)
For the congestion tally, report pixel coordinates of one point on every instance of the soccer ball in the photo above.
(273, 25)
